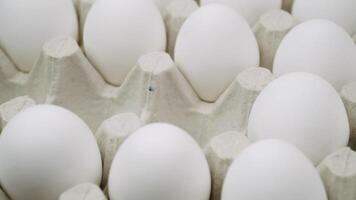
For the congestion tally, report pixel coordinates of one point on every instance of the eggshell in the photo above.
(272, 169)
(159, 162)
(118, 32)
(26, 25)
(45, 150)
(342, 12)
(320, 47)
(213, 46)
(302, 109)
(251, 10)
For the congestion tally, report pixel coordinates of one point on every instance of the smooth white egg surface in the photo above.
(251, 10)
(272, 169)
(320, 47)
(118, 32)
(342, 12)
(26, 25)
(159, 162)
(213, 46)
(302, 109)
(45, 150)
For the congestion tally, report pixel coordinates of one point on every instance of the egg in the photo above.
(320, 47)
(118, 32)
(159, 162)
(27, 25)
(251, 10)
(272, 169)
(302, 109)
(45, 150)
(212, 47)
(342, 12)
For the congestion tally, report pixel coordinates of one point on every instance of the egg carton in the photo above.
(287, 5)
(156, 91)
(338, 170)
(63, 76)
(62, 71)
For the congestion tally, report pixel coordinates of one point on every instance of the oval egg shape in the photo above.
(118, 32)
(272, 169)
(251, 10)
(302, 109)
(342, 12)
(44, 150)
(159, 162)
(320, 47)
(213, 46)
(27, 25)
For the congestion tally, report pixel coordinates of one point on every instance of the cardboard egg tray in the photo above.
(156, 91)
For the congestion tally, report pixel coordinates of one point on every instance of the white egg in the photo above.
(213, 46)
(320, 47)
(272, 170)
(159, 162)
(302, 109)
(44, 150)
(342, 12)
(251, 10)
(26, 25)
(118, 32)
